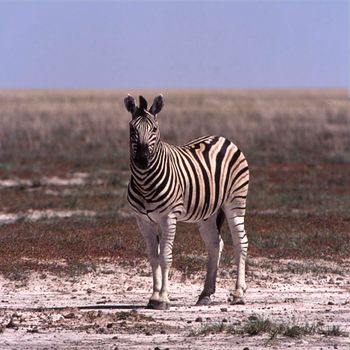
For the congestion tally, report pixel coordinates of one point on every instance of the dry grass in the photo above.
(257, 325)
(87, 129)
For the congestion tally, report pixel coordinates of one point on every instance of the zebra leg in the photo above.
(168, 229)
(214, 244)
(149, 233)
(235, 217)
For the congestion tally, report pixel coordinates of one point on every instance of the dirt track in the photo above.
(51, 312)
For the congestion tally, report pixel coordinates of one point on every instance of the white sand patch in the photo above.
(125, 213)
(8, 218)
(51, 214)
(9, 183)
(35, 215)
(265, 212)
(77, 179)
(64, 192)
(281, 297)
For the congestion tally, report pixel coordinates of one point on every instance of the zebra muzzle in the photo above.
(142, 156)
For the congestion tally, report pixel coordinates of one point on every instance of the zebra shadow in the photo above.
(86, 307)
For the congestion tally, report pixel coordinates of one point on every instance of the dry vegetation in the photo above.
(297, 144)
(89, 128)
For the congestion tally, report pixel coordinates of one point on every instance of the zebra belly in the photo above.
(178, 212)
(153, 212)
(190, 218)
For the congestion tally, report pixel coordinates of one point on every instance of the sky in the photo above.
(174, 44)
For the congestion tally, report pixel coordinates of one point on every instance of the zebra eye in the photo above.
(155, 128)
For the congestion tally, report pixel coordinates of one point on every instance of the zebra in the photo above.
(200, 182)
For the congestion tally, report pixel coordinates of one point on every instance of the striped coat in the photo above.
(192, 181)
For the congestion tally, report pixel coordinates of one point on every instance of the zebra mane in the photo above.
(142, 109)
(143, 103)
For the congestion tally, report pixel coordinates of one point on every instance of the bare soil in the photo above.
(104, 309)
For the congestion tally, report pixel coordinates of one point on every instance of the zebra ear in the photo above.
(130, 104)
(157, 105)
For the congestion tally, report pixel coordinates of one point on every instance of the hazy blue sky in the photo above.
(140, 44)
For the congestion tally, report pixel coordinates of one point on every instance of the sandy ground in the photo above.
(103, 309)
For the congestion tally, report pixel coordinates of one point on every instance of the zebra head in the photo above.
(144, 131)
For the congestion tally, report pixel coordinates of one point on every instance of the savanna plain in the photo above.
(73, 269)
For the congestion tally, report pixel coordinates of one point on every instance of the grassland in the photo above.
(297, 144)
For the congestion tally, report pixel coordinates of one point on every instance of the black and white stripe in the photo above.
(197, 182)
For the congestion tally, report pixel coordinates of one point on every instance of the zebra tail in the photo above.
(220, 219)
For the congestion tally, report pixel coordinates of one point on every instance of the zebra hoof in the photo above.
(237, 301)
(205, 300)
(158, 305)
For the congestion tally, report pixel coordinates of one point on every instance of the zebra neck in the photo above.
(145, 180)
